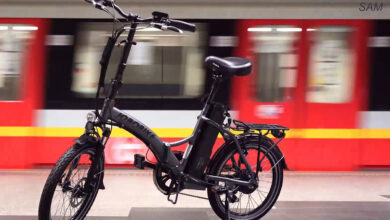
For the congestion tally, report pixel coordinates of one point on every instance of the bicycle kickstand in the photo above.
(229, 197)
(227, 209)
(171, 187)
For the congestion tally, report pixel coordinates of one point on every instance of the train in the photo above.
(325, 79)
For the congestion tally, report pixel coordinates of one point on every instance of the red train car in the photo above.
(310, 75)
(318, 77)
(22, 81)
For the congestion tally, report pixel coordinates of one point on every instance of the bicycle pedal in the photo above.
(150, 165)
(139, 161)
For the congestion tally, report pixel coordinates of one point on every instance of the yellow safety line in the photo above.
(185, 132)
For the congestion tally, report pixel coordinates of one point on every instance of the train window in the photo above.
(331, 64)
(13, 43)
(275, 58)
(163, 64)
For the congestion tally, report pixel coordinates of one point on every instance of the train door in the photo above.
(21, 75)
(336, 74)
(270, 92)
(335, 92)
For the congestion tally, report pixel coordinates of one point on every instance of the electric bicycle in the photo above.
(243, 178)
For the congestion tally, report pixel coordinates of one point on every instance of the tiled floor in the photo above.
(130, 194)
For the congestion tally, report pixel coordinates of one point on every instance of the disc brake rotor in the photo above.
(78, 194)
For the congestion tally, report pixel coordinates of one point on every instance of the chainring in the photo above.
(162, 180)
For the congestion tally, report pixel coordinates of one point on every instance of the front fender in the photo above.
(88, 140)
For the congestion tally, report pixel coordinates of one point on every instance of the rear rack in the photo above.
(277, 131)
(242, 126)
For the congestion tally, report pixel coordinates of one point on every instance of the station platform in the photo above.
(130, 194)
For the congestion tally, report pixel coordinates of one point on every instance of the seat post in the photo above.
(214, 87)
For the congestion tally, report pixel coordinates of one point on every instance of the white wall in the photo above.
(233, 9)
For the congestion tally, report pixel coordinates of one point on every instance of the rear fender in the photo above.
(241, 139)
(277, 152)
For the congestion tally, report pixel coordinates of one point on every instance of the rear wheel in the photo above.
(64, 195)
(250, 203)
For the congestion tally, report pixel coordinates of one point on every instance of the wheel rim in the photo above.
(248, 202)
(69, 200)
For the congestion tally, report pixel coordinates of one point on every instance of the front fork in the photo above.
(89, 138)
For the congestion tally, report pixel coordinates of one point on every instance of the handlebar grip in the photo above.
(185, 26)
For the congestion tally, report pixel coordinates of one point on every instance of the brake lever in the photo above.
(108, 2)
(166, 27)
(98, 5)
(172, 28)
(102, 4)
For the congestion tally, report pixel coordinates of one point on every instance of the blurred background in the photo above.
(327, 79)
(320, 67)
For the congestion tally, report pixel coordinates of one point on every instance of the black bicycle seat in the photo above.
(229, 65)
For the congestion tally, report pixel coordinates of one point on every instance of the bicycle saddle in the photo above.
(229, 65)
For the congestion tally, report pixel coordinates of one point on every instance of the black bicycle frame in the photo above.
(146, 135)
(160, 149)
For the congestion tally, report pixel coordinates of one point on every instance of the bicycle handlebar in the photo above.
(162, 22)
(100, 4)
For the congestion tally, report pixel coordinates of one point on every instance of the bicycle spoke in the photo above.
(69, 197)
(246, 207)
(254, 200)
(259, 196)
(240, 200)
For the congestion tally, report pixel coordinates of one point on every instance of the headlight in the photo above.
(91, 117)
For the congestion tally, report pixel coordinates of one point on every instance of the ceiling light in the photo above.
(288, 29)
(260, 29)
(24, 28)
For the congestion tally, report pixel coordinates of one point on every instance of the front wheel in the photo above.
(250, 203)
(64, 195)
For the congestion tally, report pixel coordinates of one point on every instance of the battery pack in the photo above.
(203, 145)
